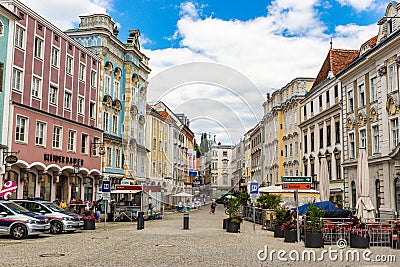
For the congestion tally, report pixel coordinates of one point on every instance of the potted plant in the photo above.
(234, 219)
(279, 219)
(269, 201)
(359, 233)
(290, 226)
(89, 221)
(313, 237)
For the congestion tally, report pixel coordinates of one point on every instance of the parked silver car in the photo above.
(19, 222)
(60, 219)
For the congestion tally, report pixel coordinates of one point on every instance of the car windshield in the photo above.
(53, 207)
(16, 208)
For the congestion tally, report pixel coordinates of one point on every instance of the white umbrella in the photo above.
(365, 208)
(323, 180)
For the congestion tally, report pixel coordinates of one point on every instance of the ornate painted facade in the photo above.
(122, 98)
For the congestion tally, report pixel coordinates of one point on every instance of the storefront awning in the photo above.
(125, 191)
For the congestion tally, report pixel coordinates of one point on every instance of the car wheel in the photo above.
(56, 227)
(19, 231)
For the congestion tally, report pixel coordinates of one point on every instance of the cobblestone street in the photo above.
(161, 243)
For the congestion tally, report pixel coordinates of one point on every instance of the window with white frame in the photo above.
(53, 95)
(375, 134)
(36, 87)
(92, 110)
(19, 37)
(361, 93)
(71, 141)
(69, 65)
(116, 89)
(40, 133)
(105, 121)
(374, 90)
(85, 144)
(38, 47)
(93, 78)
(107, 84)
(17, 80)
(350, 100)
(95, 149)
(352, 146)
(109, 157)
(394, 126)
(82, 72)
(392, 78)
(363, 138)
(20, 129)
(57, 137)
(115, 124)
(117, 158)
(81, 105)
(67, 100)
(55, 56)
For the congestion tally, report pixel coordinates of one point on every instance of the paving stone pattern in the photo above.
(161, 243)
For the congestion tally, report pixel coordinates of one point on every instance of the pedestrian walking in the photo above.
(98, 210)
(213, 206)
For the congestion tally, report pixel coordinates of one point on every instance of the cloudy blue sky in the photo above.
(246, 48)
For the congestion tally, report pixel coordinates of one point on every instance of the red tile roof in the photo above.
(335, 61)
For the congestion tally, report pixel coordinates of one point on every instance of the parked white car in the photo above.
(19, 222)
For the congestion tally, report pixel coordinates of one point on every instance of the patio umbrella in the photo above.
(323, 180)
(229, 196)
(364, 207)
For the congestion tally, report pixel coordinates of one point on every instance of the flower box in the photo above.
(278, 232)
(313, 240)
(290, 236)
(358, 241)
(89, 224)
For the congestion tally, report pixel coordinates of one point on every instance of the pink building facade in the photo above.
(53, 112)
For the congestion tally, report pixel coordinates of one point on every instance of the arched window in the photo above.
(45, 186)
(353, 195)
(30, 186)
(397, 194)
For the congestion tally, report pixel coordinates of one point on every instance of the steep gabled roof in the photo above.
(335, 61)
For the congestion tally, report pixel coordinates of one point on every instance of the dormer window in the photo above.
(390, 26)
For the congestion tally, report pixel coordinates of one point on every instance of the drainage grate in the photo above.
(99, 237)
(52, 255)
(164, 245)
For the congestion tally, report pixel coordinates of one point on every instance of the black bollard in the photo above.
(186, 221)
(140, 220)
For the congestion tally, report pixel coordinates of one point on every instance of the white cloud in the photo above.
(289, 42)
(358, 5)
(65, 14)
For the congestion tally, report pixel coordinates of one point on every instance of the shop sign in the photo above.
(11, 159)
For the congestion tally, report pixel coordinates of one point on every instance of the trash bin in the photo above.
(186, 221)
(140, 220)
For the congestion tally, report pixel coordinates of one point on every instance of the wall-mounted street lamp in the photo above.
(97, 145)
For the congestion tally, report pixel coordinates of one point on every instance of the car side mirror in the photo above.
(3, 214)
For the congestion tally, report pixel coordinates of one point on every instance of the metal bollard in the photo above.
(140, 220)
(186, 221)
